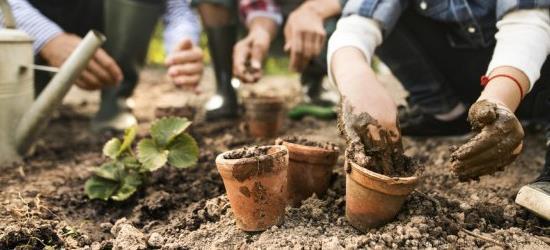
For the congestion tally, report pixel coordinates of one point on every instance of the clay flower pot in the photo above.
(264, 116)
(256, 187)
(373, 199)
(309, 169)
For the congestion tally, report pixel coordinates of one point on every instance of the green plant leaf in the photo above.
(150, 155)
(129, 136)
(165, 130)
(130, 184)
(130, 162)
(111, 149)
(100, 188)
(184, 151)
(110, 170)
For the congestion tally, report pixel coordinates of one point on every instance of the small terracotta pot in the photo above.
(264, 116)
(309, 170)
(256, 188)
(373, 199)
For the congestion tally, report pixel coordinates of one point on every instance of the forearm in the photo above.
(359, 86)
(266, 27)
(503, 90)
(323, 8)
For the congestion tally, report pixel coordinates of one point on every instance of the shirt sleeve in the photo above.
(386, 12)
(523, 42)
(180, 22)
(250, 9)
(356, 31)
(30, 20)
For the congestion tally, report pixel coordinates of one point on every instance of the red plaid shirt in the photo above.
(250, 9)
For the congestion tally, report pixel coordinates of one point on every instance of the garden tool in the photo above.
(129, 25)
(21, 117)
(220, 42)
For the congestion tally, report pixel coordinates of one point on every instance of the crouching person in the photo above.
(57, 27)
(439, 52)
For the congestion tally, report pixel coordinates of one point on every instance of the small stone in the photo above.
(155, 240)
(106, 226)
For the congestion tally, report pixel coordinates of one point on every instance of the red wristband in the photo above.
(485, 80)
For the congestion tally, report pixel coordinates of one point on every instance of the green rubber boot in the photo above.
(129, 25)
(220, 42)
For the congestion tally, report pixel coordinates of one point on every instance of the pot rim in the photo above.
(221, 161)
(312, 149)
(380, 177)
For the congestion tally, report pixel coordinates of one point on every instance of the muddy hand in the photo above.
(375, 147)
(497, 144)
(248, 55)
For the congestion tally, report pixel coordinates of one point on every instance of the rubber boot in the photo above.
(312, 83)
(129, 25)
(220, 42)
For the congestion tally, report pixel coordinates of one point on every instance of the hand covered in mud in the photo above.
(102, 70)
(249, 54)
(376, 147)
(185, 64)
(497, 144)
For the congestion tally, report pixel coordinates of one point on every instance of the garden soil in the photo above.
(43, 204)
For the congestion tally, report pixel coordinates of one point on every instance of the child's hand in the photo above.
(185, 64)
(248, 55)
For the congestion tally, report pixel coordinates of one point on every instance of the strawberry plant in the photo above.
(127, 169)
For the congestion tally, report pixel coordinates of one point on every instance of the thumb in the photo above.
(256, 56)
(184, 44)
(482, 113)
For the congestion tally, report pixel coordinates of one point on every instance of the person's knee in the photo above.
(215, 15)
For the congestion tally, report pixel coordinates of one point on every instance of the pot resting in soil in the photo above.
(255, 180)
(264, 116)
(309, 168)
(374, 199)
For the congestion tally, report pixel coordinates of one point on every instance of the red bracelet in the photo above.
(485, 80)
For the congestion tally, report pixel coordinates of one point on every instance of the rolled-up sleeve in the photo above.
(386, 12)
(180, 22)
(505, 6)
(30, 20)
(250, 9)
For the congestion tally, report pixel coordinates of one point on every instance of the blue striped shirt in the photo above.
(179, 20)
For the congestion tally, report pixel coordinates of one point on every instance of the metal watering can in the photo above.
(21, 117)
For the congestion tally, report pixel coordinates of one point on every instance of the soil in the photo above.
(246, 152)
(307, 142)
(43, 203)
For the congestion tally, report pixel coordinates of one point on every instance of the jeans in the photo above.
(438, 74)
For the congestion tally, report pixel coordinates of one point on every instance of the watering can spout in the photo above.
(34, 119)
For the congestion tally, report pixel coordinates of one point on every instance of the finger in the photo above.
(240, 55)
(180, 57)
(109, 64)
(185, 69)
(187, 80)
(493, 153)
(474, 146)
(485, 168)
(296, 54)
(95, 68)
(319, 44)
(185, 44)
(83, 85)
(256, 56)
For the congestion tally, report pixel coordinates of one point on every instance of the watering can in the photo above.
(21, 116)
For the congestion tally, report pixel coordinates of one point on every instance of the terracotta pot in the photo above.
(373, 199)
(309, 170)
(256, 187)
(264, 116)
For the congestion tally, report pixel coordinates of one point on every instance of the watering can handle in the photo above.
(9, 20)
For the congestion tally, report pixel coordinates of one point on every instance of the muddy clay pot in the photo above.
(373, 199)
(309, 170)
(264, 116)
(256, 188)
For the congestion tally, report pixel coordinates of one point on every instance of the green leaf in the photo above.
(129, 136)
(130, 162)
(165, 130)
(112, 148)
(150, 155)
(184, 151)
(99, 188)
(130, 184)
(109, 170)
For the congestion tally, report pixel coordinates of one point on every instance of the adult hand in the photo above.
(497, 144)
(101, 71)
(305, 36)
(248, 55)
(185, 64)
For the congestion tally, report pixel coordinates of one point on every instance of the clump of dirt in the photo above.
(246, 152)
(127, 236)
(383, 155)
(306, 142)
(30, 236)
(184, 111)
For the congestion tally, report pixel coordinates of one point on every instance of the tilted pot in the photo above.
(373, 199)
(309, 170)
(264, 116)
(256, 187)
(21, 117)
